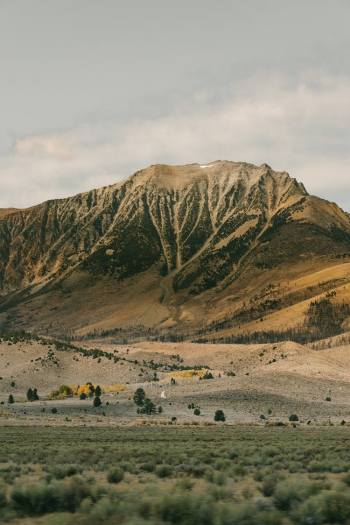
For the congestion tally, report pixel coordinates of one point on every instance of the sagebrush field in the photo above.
(175, 475)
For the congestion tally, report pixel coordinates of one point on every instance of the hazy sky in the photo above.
(92, 90)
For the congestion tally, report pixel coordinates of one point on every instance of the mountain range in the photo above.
(220, 250)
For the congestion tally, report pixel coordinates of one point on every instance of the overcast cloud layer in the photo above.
(91, 96)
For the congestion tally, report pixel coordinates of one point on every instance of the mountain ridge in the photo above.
(187, 233)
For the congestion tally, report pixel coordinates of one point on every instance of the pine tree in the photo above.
(148, 408)
(29, 394)
(11, 400)
(219, 416)
(139, 396)
(97, 402)
(98, 391)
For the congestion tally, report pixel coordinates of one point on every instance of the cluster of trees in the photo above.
(32, 395)
(90, 391)
(63, 390)
(144, 404)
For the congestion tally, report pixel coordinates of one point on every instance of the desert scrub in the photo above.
(166, 465)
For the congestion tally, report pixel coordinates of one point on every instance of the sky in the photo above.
(94, 90)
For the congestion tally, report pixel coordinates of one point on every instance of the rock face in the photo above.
(194, 230)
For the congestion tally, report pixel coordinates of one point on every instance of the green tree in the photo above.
(30, 394)
(293, 417)
(160, 409)
(11, 400)
(97, 402)
(98, 391)
(65, 390)
(139, 396)
(82, 395)
(219, 416)
(148, 408)
(35, 396)
(197, 412)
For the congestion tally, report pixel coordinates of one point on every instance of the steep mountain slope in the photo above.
(169, 248)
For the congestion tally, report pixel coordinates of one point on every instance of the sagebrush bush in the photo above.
(163, 471)
(3, 499)
(64, 471)
(287, 495)
(115, 475)
(35, 499)
(184, 509)
(148, 467)
(346, 479)
(269, 484)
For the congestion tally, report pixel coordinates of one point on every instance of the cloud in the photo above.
(302, 127)
(50, 146)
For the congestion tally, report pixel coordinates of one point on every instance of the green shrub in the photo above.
(197, 412)
(64, 471)
(185, 509)
(219, 416)
(3, 499)
(336, 507)
(148, 467)
(293, 417)
(72, 493)
(104, 509)
(34, 499)
(346, 479)
(115, 475)
(269, 484)
(317, 466)
(243, 514)
(163, 471)
(286, 495)
(54, 410)
(309, 512)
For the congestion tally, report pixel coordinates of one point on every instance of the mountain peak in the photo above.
(166, 239)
